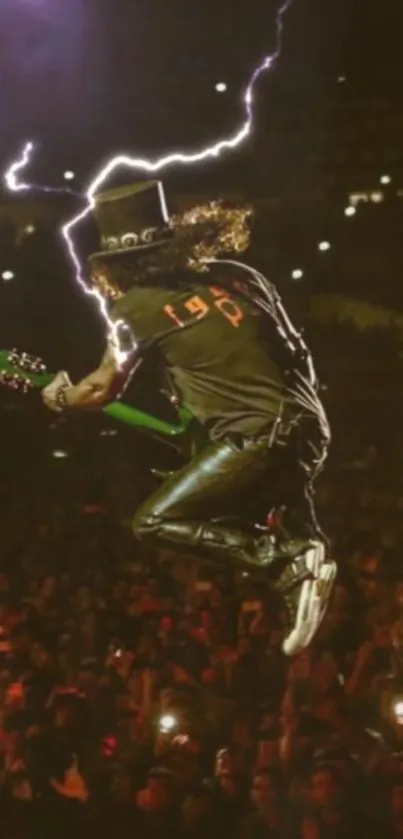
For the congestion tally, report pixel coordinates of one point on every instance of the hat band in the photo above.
(131, 239)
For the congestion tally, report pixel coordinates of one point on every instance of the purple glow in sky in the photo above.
(43, 45)
(35, 32)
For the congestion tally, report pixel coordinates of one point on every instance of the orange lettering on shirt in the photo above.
(170, 311)
(217, 291)
(197, 306)
(230, 310)
(227, 306)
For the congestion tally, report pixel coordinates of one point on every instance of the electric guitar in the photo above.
(22, 372)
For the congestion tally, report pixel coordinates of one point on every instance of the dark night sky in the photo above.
(87, 76)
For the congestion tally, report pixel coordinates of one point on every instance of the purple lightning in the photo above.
(13, 184)
(151, 166)
(10, 177)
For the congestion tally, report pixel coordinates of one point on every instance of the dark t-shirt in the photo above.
(212, 343)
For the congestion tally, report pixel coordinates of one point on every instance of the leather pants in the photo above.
(205, 507)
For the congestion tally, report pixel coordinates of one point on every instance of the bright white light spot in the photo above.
(377, 197)
(69, 175)
(221, 87)
(297, 274)
(398, 709)
(167, 723)
(59, 455)
(29, 230)
(324, 246)
(350, 211)
(7, 276)
(356, 198)
(386, 179)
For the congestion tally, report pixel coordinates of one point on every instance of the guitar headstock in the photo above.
(18, 370)
(25, 362)
(15, 382)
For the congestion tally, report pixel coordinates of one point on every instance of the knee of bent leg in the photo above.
(144, 524)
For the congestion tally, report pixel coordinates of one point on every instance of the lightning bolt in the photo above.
(143, 165)
(10, 178)
(14, 185)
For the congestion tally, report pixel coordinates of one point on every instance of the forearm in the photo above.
(86, 396)
(95, 390)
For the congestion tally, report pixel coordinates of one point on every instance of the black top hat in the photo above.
(131, 218)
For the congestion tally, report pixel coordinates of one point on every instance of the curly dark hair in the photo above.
(201, 234)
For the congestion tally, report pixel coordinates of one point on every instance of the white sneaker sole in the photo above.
(313, 601)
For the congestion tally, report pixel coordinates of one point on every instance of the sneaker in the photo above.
(306, 585)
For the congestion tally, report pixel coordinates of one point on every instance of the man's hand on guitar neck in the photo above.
(95, 390)
(49, 394)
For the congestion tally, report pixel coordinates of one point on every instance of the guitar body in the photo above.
(22, 372)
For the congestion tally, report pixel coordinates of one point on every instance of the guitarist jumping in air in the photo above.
(219, 329)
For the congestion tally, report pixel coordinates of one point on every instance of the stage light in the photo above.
(386, 179)
(167, 723)
(398, 711)
(221, 87)
(297, 274)
(29, 229)
(324, 246)
(342, 79)
(350, 211)
(60, 455)
(69, 175)
(7, 276)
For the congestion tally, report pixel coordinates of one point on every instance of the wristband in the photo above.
(61, 398)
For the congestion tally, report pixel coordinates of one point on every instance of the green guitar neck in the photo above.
(18, 372)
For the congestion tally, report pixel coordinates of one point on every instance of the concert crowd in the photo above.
(146, 695)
